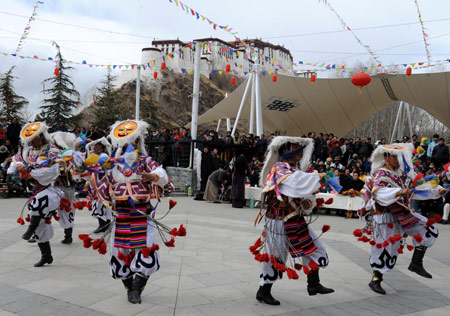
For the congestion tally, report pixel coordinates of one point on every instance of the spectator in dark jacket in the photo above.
(13, 132)
(261, 147)
(440, 154)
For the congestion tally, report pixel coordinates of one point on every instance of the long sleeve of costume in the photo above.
(300, 184)
(386, 196)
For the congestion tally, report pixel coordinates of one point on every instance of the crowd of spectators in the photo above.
(241, 157)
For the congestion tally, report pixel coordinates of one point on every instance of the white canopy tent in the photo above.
(296, 106)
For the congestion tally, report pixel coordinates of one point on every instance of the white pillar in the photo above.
(244, 97)
(228, 124)
(138, 91)
(396, 121)
(195, 97)
(259, 119)
(408, 113)
(218, 125)
(252, 106)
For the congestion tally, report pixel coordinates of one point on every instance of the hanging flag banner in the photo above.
(424, 34)
(345, 26)
(26, 32)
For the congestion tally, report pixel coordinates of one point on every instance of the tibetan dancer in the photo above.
(130, 183)
(99, 210)
(288, 196)
(39, 157)
(389, 218)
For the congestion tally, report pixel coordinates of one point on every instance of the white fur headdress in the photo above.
(119, 142)
(403, 151)
(273, 156)
(43, 129)
(103, 141)
(64, 140)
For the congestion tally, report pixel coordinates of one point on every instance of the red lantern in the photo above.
(233, 81)
(227, 68)
(408, 71)
(313, 78)
(361, 79)
(274, 78)
(155, 75)
(163, 65)
(56, 71)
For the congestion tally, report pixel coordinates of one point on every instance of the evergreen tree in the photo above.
(60, 103)
(11, 103)
(106, 105)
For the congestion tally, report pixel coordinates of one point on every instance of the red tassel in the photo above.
(83, 236)
(306, 270)
(390, 225)
(181, 231)
(369, 231)
(379, 246)
(146, 252)
(410, 247)
(96, 244)
(272, 259)
(121, 256)
(48, 220)
(372, 242)
(155, 247)
(298, 266)
(405, 235)
(128, 260)
(313, 265)
(172, 204)
(397, 237)
(325, 228)
(102, 248)
(27, 218)
(87, 242)
(282, 267)
(437, 218)
(385, 243)
(294, 274)
(400, 250)
(319, 202)
(170, 243)
(418, 238)
(357, 233)
(173, 232)
(275, 265)
(329, 201)
(20, 221)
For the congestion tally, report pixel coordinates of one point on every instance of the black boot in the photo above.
(128, 286)
(314, 286)
(102, 226)
(375, 284)
(138, 285)
(46, 254)
(263, 295)
(416, 264)
(34, 223)
(67, 236)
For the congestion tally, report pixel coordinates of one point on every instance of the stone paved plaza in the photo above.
(210, 272)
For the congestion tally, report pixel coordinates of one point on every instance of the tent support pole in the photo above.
(218, 125)
(259, 120)
(252, 106)
(228, 124)
(138, 92)
(408, 113)
(244, 97)
(195, 97)
(396, 121)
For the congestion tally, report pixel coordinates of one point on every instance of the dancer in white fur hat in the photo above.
(288, 196)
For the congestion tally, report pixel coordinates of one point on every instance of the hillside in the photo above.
(167, 101)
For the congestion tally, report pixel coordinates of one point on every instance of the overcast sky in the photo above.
(275, 21)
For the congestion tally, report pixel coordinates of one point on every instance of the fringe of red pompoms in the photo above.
(97, 244)
(364, 235)
(278, 265)
(82, 204)
(65, 205)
